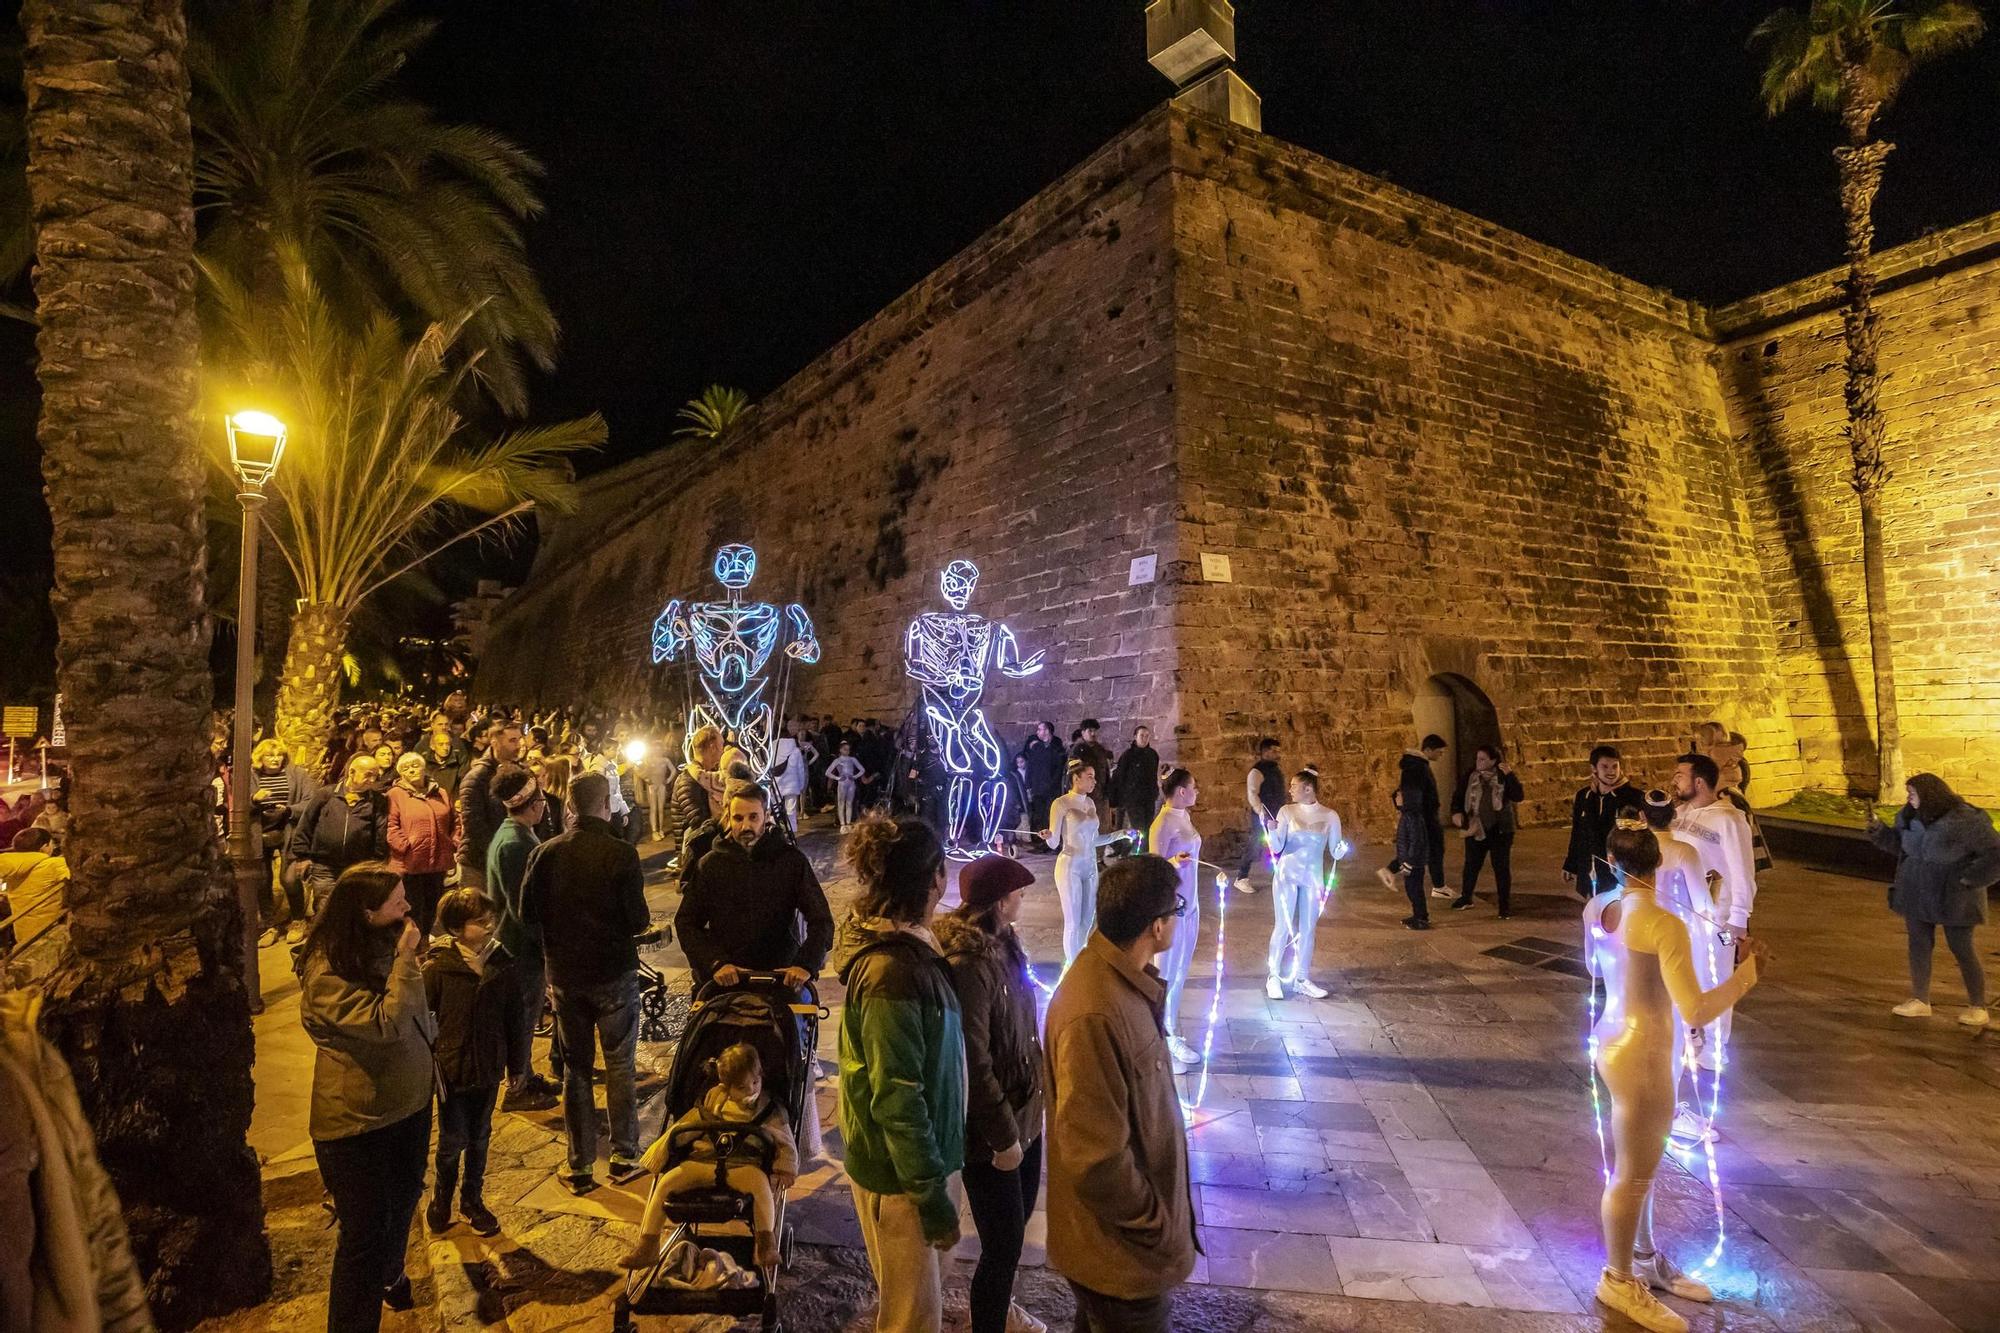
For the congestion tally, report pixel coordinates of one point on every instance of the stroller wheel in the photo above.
(621, 1316)
(771, 1322)
(786, 1244)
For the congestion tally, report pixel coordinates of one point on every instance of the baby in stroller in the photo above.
(737, 1098)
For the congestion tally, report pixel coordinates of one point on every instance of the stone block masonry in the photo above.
(1782, 369)
(1432, 447)
(1443, 460)
(1014, 409)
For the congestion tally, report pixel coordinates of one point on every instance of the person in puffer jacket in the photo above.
(341, 827)
(1003, 1071)
(469, 983)
(1947, 856)
(902, 1070)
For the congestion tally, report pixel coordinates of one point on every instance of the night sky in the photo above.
(735, 184)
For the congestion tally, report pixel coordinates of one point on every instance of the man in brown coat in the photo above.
(1120, 1218)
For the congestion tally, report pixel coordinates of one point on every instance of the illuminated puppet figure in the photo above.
(733, 642)
(947, 652)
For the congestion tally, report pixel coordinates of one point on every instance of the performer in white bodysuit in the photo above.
(1658, 995)
(1173, 836)
(1304, 840)
(1719, 835)
(1073, 833)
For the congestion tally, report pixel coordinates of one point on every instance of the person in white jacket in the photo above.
(791, 769)
(1719, 835)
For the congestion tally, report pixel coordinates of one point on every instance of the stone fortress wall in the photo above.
(1014, 409)
(1781, 364)
(1456, 475)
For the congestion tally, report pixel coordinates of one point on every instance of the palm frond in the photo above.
(381, 470)
(1876, 43)
(303, 143)
(711, 413)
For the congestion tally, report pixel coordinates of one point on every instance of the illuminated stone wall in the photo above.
(1429, 449)
(1782, 369)
(1015, 408)
(1428, 445)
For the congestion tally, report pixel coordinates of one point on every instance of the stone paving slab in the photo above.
(1416, 1151)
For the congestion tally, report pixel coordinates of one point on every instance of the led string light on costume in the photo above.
(1222, 882)
(1681, 1156)
(1608, 961)
(947, 653)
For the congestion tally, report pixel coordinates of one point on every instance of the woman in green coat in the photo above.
(902, 1070)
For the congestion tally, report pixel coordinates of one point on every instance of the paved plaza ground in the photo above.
(1415, 1152)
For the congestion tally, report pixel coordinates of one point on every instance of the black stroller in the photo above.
(784, 1027)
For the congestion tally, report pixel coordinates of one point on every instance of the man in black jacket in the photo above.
(740, 912)
(479, 810)
(1047, 761)
(1135, 783)
(1091, 751)
(586, 892)
(1592, 816)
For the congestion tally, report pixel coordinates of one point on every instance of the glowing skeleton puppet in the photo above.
(947, 653)
(733, 642)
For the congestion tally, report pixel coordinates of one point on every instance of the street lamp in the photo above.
(256, 443)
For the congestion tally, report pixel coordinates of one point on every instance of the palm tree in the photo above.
(1852, 57)
(380, 475)
(301, 146)
(148, 1002)
(711, 413)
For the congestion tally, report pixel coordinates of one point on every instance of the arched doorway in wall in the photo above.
(1451, 706)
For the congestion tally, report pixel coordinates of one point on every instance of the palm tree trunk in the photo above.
(309, 686)
(1860, 161)
(148, 1003)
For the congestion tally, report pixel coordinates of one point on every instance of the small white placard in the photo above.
(1143, 567)
(1215, 568)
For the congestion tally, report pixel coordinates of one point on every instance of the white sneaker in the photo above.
(1691, 1125)
(1973, 1018)
(1020, 1321)
(1632, 1298)
(1274, 988)
(1443, 891)
(1388, 878)
(1243, 884)
(1663, 1274)
(1309, 988)
(1912, 1009)
(1184, 1056)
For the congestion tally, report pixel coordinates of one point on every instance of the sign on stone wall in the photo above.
(1144, 569)
(1215, 568)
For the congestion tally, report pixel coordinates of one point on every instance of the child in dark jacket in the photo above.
(470, 989)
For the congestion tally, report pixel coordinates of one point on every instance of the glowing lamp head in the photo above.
(957, 581)
(256, 443)
(635, 751)
(735, 566)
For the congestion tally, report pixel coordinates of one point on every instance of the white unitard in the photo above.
(1301, 838)
(1718, 835)
(846, 773)
(1173, 835)
(1073, 830)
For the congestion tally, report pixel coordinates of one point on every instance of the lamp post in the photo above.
(256, 442)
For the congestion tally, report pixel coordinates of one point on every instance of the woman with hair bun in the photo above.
(1303, 839)
(1173, 836)
(902, 1069)
(1073, 833)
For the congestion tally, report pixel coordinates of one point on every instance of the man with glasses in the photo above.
(521, 799)
(1120, 1215)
